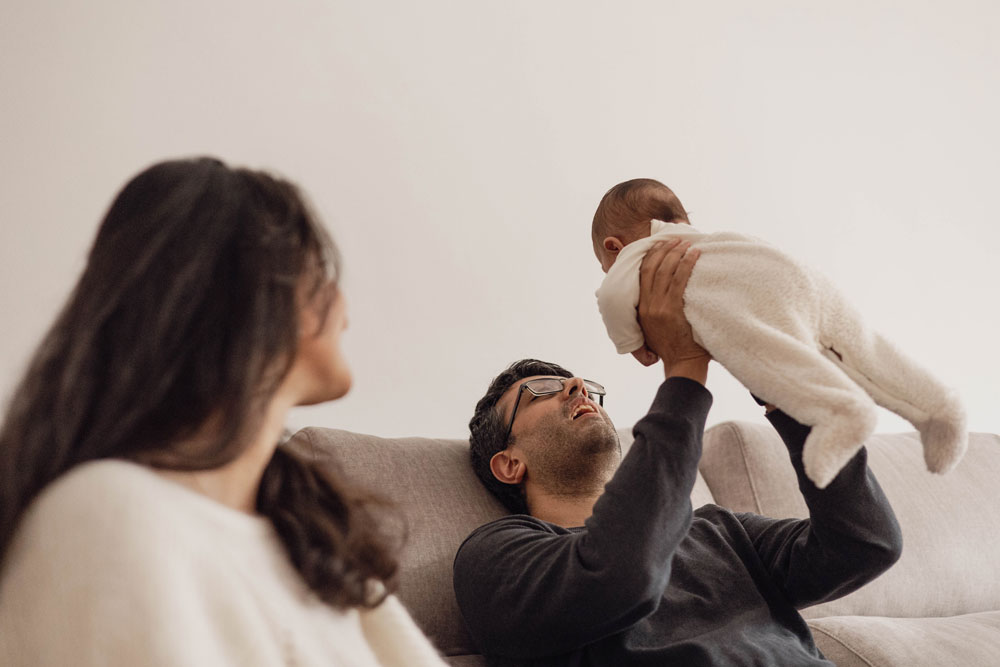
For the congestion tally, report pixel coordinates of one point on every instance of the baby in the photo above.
(780, 328)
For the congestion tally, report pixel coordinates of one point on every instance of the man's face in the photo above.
(567, 439)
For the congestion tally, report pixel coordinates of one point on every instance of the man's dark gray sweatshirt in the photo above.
(646, 581)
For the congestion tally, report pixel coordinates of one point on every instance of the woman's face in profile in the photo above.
(320, 366)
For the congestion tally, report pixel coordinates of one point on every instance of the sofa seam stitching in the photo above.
(843, 643)
(746, 468)
(312, 445)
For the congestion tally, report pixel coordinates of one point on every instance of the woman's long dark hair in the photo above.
(187, 314)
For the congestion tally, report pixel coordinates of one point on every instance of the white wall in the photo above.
(457, 151)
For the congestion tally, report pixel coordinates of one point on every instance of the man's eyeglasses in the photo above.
(548, 386)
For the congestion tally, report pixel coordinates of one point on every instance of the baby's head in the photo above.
(624, 214)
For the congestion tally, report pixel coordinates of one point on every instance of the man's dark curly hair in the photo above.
(487, 428)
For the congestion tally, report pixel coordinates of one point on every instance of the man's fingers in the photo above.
(650, 267)
(680, 277)
(651, 262)
(657, 271)
(664, 275)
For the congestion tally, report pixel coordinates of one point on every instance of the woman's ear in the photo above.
(507, 468)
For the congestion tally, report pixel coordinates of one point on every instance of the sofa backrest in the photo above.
(442, 501)
(950, 523)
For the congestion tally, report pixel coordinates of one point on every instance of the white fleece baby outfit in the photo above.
(789, 336)
(114, 565)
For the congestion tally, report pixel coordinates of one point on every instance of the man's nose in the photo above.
(574, 386)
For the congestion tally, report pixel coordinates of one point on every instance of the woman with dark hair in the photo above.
(147, 514)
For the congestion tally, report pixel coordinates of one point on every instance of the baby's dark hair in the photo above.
(626, 207)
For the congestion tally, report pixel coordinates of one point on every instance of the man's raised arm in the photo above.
(850, 538)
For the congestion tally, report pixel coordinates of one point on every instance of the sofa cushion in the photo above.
(951, 529)
(970, 640)
(442, 501)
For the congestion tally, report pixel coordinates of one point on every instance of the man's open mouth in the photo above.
(582, 409)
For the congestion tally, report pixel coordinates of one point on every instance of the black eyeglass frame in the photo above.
(593, 388)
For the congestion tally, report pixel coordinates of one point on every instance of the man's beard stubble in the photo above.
(567, 460)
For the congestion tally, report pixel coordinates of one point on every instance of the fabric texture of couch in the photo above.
(938, 606)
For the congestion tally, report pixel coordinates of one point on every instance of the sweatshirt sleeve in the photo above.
(849, 539)
(527, 588)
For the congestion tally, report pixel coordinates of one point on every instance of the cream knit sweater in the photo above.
(115, 565)
(789, 336)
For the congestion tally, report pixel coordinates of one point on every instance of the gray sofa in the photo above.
(938, 606)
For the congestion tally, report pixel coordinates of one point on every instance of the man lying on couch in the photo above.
(604, 562)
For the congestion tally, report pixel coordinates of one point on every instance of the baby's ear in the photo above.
(613, 244)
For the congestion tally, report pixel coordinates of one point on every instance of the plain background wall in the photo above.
(457, 151)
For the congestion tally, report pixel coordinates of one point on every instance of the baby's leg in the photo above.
(788, 370)
(896, 382)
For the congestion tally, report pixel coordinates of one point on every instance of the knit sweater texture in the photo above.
(115, 565)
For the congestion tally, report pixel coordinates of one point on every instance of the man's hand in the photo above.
(663, 277)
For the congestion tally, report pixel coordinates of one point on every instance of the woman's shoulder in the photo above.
(112, 544)
(118, 507)
(97, 506)
(102, 478)
(101, 532)
(102, 491)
